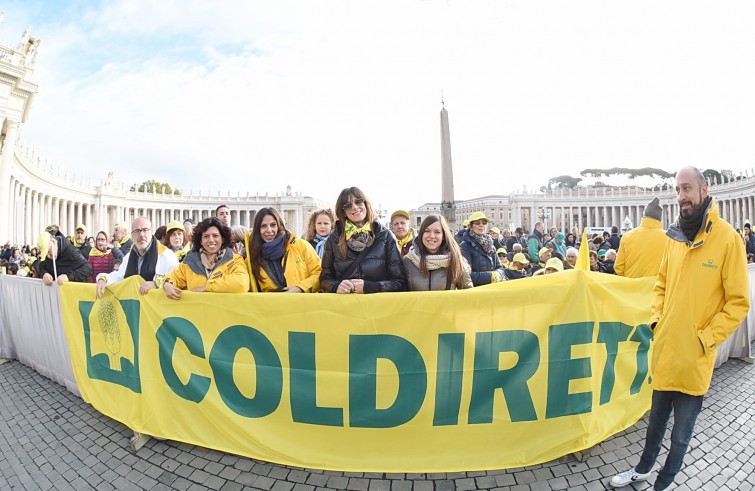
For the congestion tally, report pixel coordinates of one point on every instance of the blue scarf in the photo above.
(272, 252)
(320, 244)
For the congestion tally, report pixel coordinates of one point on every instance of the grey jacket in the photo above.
(436, 280)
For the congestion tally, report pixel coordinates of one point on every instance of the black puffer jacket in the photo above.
(483, 265)
(381, 268)
(69, 262)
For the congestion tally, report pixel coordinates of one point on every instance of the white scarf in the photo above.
(433, 261)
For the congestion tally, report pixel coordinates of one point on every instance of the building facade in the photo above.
(34, 195)
(598, 207)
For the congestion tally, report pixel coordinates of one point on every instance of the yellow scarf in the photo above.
(119, 243)
(352, 230)
(97, 253)
(76, 244)
(181, 253)
(409, 237)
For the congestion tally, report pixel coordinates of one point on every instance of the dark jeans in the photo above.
(686, 408)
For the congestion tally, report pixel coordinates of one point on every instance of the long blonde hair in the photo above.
(311, 230)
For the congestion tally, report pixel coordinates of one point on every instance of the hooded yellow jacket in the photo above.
(641, 250)
(302, 267)
(701, 297)
(229, 275)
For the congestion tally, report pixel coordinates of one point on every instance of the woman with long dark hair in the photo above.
(360, 255)
(279, 260)
(211, 265)
(434, 261)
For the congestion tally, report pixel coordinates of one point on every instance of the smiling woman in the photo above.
(279, 260)
(360, 255)
(211, 266)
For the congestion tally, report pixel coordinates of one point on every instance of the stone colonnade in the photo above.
(37, 199)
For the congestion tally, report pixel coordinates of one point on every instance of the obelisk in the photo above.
(447, 204)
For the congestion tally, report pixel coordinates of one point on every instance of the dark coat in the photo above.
(509, 245)
(84, 248)
(69, 262)
(512, 274)
(482, 264)
(615, 241)
(381, 268)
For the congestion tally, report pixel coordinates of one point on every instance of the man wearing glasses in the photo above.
(148, 258)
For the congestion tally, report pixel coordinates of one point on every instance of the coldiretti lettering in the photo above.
(365, 350)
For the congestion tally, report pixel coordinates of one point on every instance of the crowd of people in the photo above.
(343, 252)
(350, 252)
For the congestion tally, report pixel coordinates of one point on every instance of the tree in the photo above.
(153, 186)
(566, 182)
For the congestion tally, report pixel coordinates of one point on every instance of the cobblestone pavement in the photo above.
(51, 439)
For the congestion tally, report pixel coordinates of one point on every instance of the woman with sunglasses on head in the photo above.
(278, 260)
(211, 265)
(434, 261)
(360, 255)
(477, 248)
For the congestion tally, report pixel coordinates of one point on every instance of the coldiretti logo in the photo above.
(710, 264)
(111, 341)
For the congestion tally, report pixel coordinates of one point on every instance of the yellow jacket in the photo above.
(228, 276)
(641, 250)
(302, 268)
(701, 297)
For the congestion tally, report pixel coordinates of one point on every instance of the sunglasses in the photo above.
(357, 202)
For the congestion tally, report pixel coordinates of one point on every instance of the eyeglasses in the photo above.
(357, 202)
(478, 222)
(138, 231)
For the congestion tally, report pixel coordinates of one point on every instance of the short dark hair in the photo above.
(519, 230)
(219, 207)
(614, 229)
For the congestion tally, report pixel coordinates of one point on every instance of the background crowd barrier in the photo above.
(32, 331)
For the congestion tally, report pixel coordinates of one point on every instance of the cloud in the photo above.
(253, 96)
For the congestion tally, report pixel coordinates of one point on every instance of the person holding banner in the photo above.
(434, 261)
(279, 260)
(61, 261)
(148, 258)
(211, 265)
(701, 297)
(360, 255)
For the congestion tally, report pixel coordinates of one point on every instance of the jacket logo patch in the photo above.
(710, 264)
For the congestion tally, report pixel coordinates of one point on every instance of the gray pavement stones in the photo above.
(52, 440)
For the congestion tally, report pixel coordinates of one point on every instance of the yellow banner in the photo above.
(507, 375)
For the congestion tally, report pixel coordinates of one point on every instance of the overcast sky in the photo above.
(255, 96)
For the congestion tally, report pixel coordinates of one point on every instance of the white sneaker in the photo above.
(626, 478)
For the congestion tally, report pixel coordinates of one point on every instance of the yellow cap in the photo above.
(520, 258)
(43, 244)
(554, 263)
(400, 213)
(478, 215)
(174, 225)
